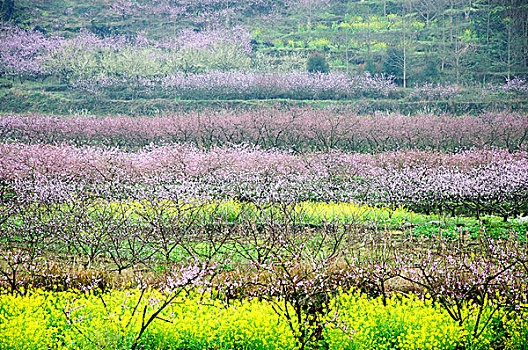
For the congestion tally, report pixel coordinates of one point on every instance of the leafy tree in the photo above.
(317, 63)
(393, 63)
(370, 66)
(430, 71)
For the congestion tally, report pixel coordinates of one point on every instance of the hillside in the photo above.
(118, 50)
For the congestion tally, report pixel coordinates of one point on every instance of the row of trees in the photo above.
(475, 182)
(298, 129)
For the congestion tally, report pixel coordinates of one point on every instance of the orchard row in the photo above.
(298, 129)
(471, 182)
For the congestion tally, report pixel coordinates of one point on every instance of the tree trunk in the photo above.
(346, 51)
(368, 36)
(525, 48)
(509, 50)
(404, 49)
(444, 49)
(227, 14)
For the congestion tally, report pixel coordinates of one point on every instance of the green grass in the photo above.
(32, 97)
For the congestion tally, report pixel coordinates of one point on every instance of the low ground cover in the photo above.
(77, 320)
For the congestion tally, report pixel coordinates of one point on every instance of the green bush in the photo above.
(317, 64)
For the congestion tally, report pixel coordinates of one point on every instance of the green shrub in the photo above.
(317, 64)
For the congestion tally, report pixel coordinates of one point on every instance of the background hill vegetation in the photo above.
(74, 55)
